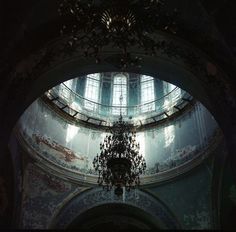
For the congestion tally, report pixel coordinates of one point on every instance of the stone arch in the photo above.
(176, 62)
(145, 205)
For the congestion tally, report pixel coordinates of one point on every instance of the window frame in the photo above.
(92, 86)
(147, 86)
(116, 106)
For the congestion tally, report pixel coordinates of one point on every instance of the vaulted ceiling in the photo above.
(209, 25)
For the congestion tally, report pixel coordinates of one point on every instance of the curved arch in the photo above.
(138, 200)
(176, 62)
(114, 216)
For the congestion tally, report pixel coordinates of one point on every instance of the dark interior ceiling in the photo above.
(223, 14)
(14, 15)
(114, 216)
(25, 21)
(20, 28)
(27, 25)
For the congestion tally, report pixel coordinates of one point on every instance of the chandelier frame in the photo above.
(119, 164)
(93, 25)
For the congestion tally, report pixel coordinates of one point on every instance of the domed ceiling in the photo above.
(64, 128)
(100, 98)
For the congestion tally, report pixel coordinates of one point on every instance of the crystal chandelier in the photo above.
(119, 163)
(121, 24)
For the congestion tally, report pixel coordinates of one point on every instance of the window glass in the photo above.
(92, 91)
(65, 90)
(119, 98)
(176, 92)
(173, 94)
(147, 93)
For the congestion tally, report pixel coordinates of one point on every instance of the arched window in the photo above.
(119, 99)
(147, 93)
(92, 91)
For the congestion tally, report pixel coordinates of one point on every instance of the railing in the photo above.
(73, 102)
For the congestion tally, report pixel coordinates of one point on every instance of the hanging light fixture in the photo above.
(119, 163)
(120, 24)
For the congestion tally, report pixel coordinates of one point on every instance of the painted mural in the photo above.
(190, 198)
(141, 200)
(58, 154)
(65, 153)
(42, 194)
(74, 146)
(183, 155)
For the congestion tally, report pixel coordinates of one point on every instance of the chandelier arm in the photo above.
(119, 23)
(119, 163)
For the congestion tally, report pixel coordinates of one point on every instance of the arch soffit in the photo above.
(136, 199)
(176, 62)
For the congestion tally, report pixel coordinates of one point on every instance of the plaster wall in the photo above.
(45, 196)
(189, 198)
(74, 146)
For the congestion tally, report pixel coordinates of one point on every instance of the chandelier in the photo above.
(119, 163)
(92, 25)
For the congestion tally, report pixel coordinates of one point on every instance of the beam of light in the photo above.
(169, 133)
(141, 140)
(71, 132)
